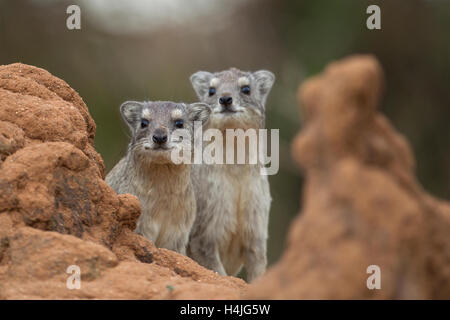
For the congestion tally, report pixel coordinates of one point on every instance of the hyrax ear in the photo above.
(198, 112)
(131, 112)
(200, 81)
(264, 80)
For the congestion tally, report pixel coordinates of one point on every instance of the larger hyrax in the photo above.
(233, 201)
(163, 188)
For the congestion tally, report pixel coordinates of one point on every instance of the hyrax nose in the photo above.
(226, 101)
(160, 139)
(159, 136)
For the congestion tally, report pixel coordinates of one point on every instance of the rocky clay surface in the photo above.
(361, 204)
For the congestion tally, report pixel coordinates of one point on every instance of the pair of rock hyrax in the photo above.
(216, 213)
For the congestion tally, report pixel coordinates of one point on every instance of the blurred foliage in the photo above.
(293, 38)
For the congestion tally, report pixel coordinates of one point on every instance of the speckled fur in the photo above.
(233, 201)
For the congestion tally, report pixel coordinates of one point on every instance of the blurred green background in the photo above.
(148, 49)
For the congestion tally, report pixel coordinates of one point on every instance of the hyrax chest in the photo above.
(234, 187)
(168, 211)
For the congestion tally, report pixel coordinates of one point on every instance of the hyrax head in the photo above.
(237, 98)
(152, 124)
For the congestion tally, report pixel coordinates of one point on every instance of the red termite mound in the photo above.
(361, 203)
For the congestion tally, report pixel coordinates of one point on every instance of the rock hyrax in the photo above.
(233, 201)
(163, 188)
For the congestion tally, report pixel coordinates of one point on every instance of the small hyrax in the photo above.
(163, 188)
(233, 201)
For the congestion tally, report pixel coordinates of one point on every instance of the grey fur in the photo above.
(233, 201)
(164, 189)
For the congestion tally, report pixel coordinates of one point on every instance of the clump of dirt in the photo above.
(361, 202)
(56, 209)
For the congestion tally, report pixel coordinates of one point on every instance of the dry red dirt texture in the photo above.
(361, 203)
(56, 209)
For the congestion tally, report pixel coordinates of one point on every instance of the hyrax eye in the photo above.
(211, 91)
(245, 89)
(144, 123)
(179, 123)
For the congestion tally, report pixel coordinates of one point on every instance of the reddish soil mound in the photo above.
(56, 209)
(361, 203)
